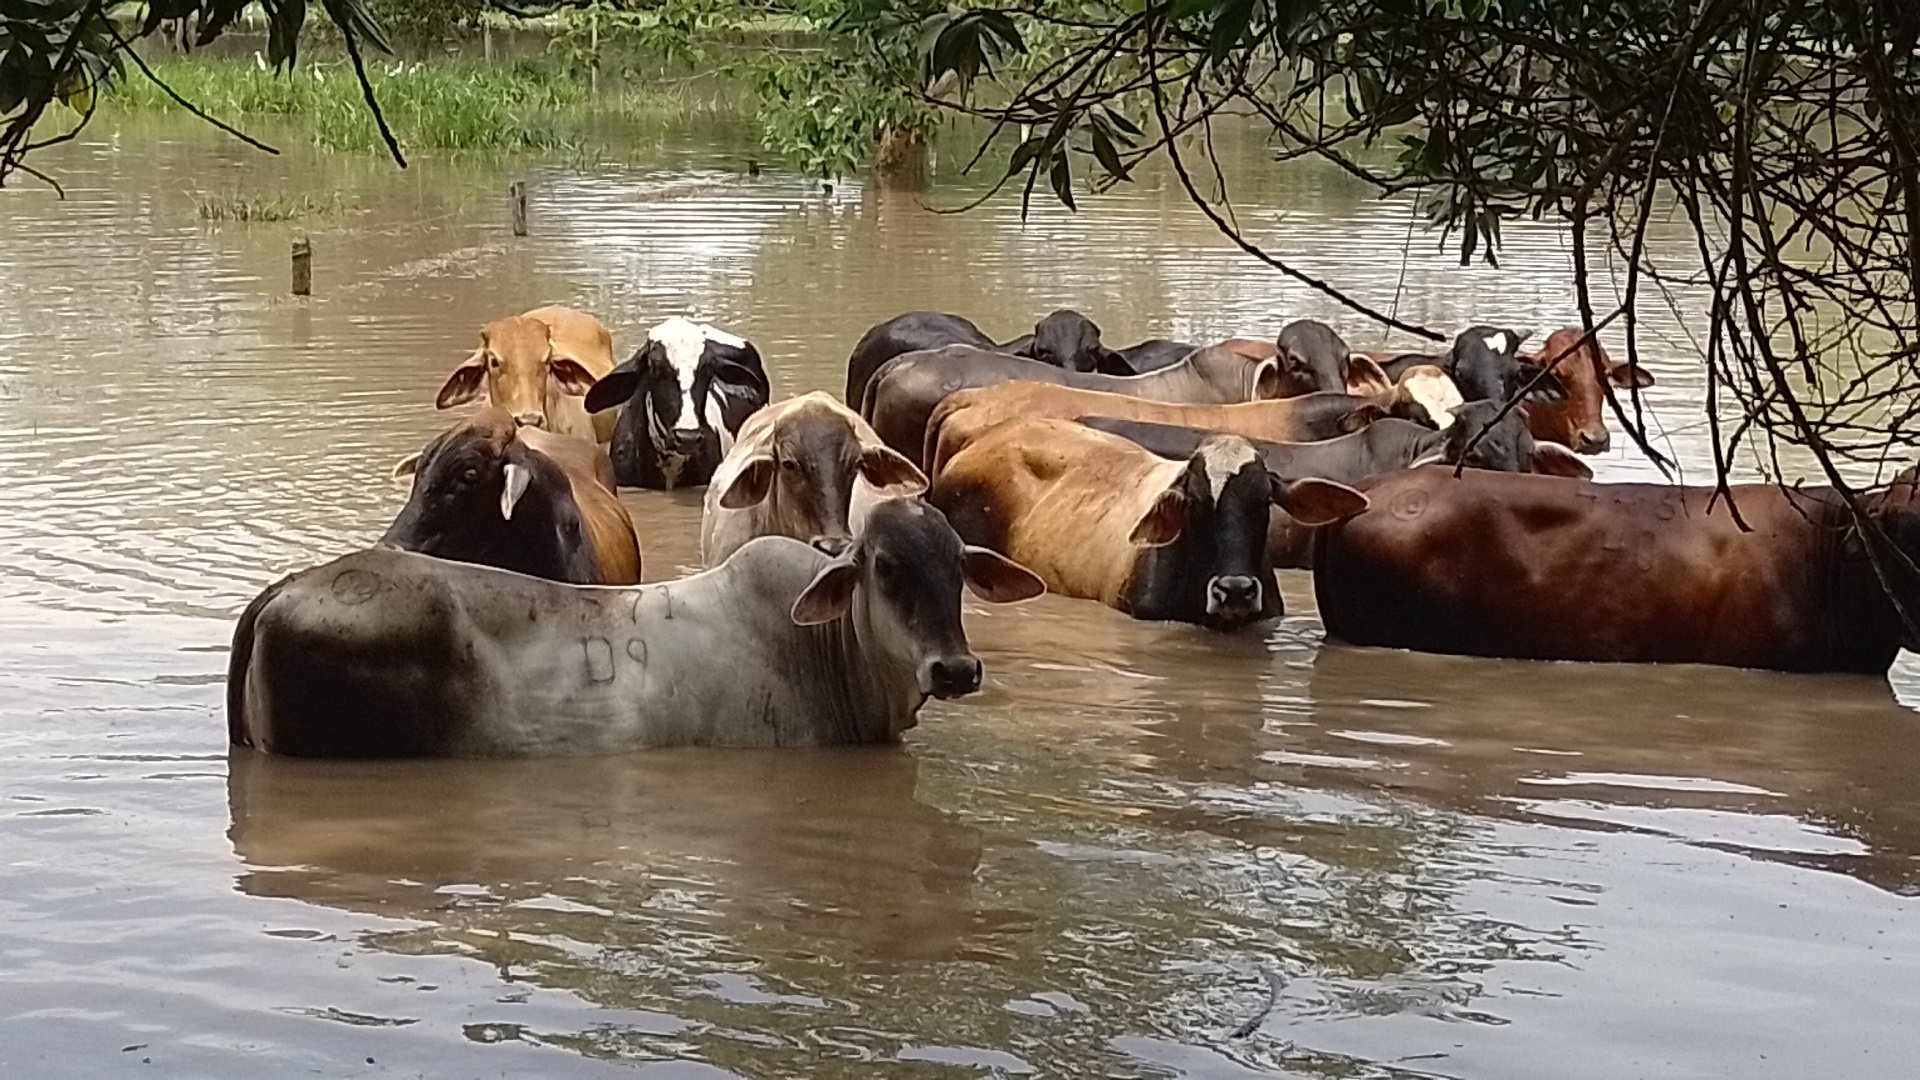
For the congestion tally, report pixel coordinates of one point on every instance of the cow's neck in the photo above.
(861, 700)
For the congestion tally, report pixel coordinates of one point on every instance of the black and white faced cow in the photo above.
(1100, 518)
(687, 389)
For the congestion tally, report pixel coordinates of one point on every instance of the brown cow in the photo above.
(903, 393)
(1306, 418)
(1580, 421)
(537, 366)
(1102, 519)
(1543, 568)
(493, 492)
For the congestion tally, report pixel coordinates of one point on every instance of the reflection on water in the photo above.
(1143, 851)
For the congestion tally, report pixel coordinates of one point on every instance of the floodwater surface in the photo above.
(1143, 851)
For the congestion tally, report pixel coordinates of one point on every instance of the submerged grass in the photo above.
(270, 208)
(446, 104)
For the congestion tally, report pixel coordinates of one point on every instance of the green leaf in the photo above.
(1230, 24)
(1108, 157)
(1061, 177)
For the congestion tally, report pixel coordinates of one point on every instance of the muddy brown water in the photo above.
(1143, 851)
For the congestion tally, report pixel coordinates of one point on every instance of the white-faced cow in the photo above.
(686, 390)
(794, 472)
(386, 653)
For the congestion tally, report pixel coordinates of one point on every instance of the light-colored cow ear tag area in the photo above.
(1552, 459)
(829, 595)
(1266, 381)
(751, 485)
(406, 466)
(886, 469)
(1313, 501)
(1162, 522)
(997, 579)
(512, 487)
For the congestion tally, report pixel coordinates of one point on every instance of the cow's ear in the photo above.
(1365, 376)
(464, 384)
(1112, 363)
(1552, 459)
(751, 484)
(1630, 376)
(829, 595)
(997, 579)
(884, 467)
(616, 387)
(1163, 521)
(1316, 502)
(571, 374)
(406, 466)
(1267, 381)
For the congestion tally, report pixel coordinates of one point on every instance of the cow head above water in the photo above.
(1485, 362)
(1479, 441)
(1585, 369)
(687, 390)
(806, 474)
(516, 360)
(901, 580)
(1070, 340)
(1209, 527)
(1314, 358)
(482, 495)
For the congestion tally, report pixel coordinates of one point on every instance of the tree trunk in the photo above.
(900, 160)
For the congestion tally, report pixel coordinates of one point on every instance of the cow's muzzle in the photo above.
(1233, 597)
(950, 676)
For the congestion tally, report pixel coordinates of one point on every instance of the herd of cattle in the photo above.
(1437, 499)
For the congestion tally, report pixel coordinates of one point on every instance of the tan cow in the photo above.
(1101, 518)
(537, 366)
(793, 471)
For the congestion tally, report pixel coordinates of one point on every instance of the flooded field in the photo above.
(1143, 851)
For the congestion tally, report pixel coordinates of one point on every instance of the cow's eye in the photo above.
(493, 362)
(789, 464)
(469, 475)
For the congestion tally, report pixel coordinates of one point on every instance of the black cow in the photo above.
(1485, 364)
(489, 491)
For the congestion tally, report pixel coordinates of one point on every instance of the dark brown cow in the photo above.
(902, 395)
(1543, 568)
(488, 491)
(1580, 421)
(1102, 519)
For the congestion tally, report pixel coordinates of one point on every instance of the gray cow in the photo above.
(391, 654)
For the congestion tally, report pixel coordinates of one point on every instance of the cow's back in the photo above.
(1536, 567)
(1057, 498)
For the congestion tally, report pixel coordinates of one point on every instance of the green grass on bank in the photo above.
(443, 104)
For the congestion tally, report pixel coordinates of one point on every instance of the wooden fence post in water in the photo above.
(302, 266)
(518, 192)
